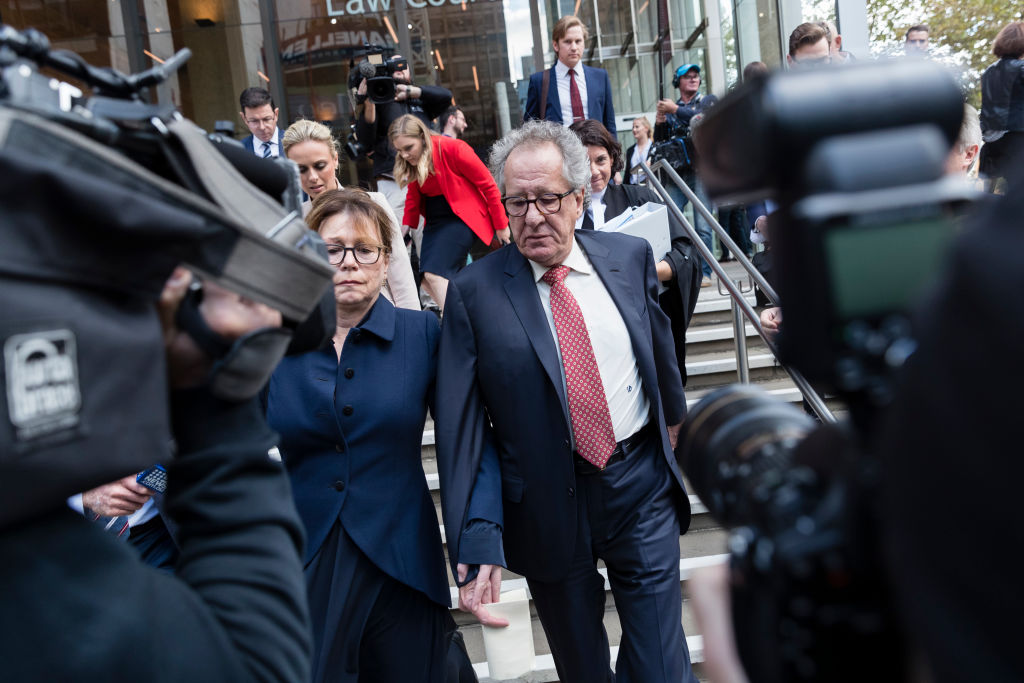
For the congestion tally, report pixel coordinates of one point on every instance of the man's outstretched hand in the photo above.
(484, 589)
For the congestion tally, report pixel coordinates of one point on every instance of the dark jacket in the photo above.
(350, 440)
(374, 136)
(79, 605)
(500, 397)
(1002, 96)
(599, 98)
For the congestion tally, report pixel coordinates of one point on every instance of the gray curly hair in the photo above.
(533, 134)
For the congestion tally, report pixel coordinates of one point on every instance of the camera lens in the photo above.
(739, 439)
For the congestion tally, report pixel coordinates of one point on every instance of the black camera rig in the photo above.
(379, 72)
(864, 221)
(103, 196)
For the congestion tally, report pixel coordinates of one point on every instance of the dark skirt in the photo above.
(368, 626)
(446, 239)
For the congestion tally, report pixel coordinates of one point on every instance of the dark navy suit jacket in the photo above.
(599, 98)
(350, 439)
(500, 398)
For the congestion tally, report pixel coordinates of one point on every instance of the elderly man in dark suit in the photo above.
(569, 91)
(559, 402)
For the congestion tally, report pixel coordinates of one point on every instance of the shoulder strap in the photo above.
(545, 83)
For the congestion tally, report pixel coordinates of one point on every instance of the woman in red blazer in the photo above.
(454, 192)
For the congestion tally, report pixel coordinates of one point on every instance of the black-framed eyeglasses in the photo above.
(365, 254)
(547, 203)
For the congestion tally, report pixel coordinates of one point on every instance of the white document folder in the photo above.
(649, 221)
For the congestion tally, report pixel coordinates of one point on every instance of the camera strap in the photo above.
(275, 261)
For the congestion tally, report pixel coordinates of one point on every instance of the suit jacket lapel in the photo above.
(554, 103)
(522, 293)
(594, 94)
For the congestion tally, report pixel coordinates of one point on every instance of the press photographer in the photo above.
(841, 568)
(115, 359)
(385, 95)
(673, 142)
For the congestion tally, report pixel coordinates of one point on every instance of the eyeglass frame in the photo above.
(265, 121)
(345, 250)
(534, 202)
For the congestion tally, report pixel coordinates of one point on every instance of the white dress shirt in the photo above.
(564, 98)
(275, 148)
(616, 362)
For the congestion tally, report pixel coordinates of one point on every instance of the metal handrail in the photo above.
(812, 397)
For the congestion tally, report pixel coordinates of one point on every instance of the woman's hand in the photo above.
(504, 236)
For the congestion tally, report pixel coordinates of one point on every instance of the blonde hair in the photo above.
(410, 126)
(564, 24)
(304, 130)
(642, 120)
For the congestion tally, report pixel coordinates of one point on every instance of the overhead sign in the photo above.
(338, 8)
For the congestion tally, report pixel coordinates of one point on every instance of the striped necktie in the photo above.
(266, 150)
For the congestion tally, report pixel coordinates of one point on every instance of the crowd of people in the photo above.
(555, 378)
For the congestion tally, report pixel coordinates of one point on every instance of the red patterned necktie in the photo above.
(588, 407)
(574, 98)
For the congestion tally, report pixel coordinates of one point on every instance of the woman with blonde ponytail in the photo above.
(454, 192)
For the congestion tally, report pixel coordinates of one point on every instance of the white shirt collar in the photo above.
(576, 260)
(561, 70)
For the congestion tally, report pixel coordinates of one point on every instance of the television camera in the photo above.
(865, 217)
(103, 196)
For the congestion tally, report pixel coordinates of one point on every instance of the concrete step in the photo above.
(544, 665)
(720, 368)
(719, 338)
(713, 309)
(543, 668)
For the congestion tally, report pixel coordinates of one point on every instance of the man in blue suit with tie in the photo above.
(559, 402)
(564, 95)
(260, 116)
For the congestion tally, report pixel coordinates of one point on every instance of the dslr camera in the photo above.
(379, 72)
(866, 215)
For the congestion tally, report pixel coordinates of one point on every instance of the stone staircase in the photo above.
(711, 362)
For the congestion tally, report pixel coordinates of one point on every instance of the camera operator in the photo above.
(79, 604)
(674, 121)
(425, 102)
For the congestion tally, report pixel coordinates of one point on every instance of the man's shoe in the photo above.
(706, 282)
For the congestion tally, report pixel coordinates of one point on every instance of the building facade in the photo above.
(481, 50)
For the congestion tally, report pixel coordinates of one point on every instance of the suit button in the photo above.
(347, 410)
(572, 492)
(349, 373)
(338, 447)
(339, 485)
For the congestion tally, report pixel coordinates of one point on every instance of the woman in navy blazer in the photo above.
(351, 418)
